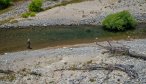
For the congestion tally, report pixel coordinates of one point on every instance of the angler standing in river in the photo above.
(28, 44)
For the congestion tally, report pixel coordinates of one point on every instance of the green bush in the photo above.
(27, 14)
(120, 21)
(35, 5)
(32, 14)
(4, 3)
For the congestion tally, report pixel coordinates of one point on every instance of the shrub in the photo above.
(32, 14)
(35, 5)
(4, 3)
(120, 21)
(27, 14)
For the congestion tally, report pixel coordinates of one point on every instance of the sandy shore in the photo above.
(15, 11)
(45, 61)
(86, 12)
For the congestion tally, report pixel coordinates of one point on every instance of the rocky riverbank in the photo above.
(8, 16)
(38, 66)
(86, 12)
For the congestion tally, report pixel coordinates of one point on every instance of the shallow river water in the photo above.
(15, 39)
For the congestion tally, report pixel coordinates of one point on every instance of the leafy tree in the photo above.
(120, 21)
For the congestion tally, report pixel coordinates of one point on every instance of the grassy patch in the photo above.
(28, 14)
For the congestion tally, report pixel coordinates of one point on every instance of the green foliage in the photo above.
(4, 3)
(120, 21)
(32, 14)
(35, 5)
(27, 14)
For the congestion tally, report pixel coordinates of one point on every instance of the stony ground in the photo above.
(87, 12)
(37, 66)
(17, 9)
